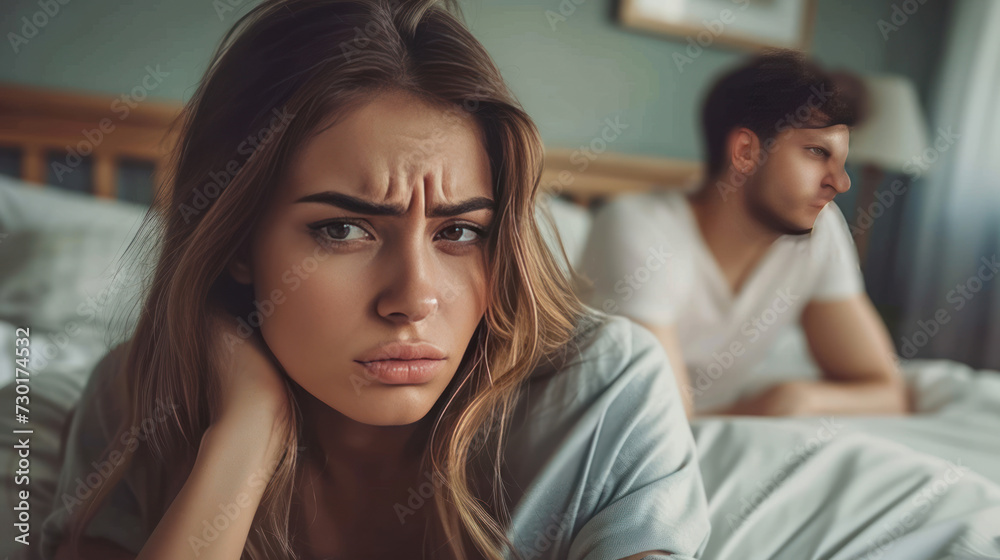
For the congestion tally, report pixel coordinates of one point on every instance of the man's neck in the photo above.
(735, 237)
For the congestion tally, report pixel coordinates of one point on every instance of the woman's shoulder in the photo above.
(612, 369)
(103, 397)
(108, 368)
(599, 448)
(88, 432)
(606, 350)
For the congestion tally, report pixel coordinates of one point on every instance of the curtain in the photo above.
(948, 263)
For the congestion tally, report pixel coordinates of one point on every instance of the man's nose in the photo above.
(839, 180)
(410, 293)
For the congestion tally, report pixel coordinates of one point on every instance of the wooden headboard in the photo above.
(36, 123)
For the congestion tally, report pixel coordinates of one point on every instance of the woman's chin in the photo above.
(387, 411)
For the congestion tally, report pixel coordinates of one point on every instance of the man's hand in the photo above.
(852, 348)
(850, 345)
(814, 398)
(783, 399)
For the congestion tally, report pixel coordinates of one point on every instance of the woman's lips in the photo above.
(403, 372)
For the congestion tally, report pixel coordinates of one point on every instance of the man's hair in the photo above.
(773, 91)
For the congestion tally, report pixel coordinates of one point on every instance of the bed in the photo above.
(920, 487)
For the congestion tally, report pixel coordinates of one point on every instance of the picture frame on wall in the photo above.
(745, 24)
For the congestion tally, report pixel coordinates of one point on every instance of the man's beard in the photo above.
(768, 217)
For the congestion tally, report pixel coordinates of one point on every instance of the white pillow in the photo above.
(24, 206)
(59, 253)
(64, 282)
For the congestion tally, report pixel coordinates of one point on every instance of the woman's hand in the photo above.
(239, 452)
(251, 382)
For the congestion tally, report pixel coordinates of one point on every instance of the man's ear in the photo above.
(743, 147)
(239, 266)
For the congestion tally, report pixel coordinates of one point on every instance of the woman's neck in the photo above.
(335, 442)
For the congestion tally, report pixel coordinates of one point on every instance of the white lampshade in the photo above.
(895, 131)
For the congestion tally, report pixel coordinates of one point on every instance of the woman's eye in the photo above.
(818, 151)
(461, 234)
(342, 231)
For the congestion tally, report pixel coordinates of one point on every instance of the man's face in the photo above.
(802, 173)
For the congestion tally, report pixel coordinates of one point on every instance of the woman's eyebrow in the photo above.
(362, 206)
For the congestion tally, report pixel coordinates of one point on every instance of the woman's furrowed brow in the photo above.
(362, 206)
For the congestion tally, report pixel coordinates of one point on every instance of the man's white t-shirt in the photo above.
(648, 261)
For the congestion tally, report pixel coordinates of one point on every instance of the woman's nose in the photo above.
(410, 293)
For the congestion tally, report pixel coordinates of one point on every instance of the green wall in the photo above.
(570, 76)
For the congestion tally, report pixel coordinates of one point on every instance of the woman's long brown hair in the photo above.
(284, 68)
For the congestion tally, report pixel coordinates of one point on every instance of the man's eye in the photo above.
(819, 151)
(462, 234)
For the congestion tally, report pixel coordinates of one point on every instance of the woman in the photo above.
(358, 345)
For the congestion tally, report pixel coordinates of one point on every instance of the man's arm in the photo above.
(852, 348)
(668, 338)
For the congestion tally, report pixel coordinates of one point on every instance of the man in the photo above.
(716, 273)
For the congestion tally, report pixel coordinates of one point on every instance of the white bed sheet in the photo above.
(925, 486)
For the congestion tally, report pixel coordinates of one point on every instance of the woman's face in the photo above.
(372, 256)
